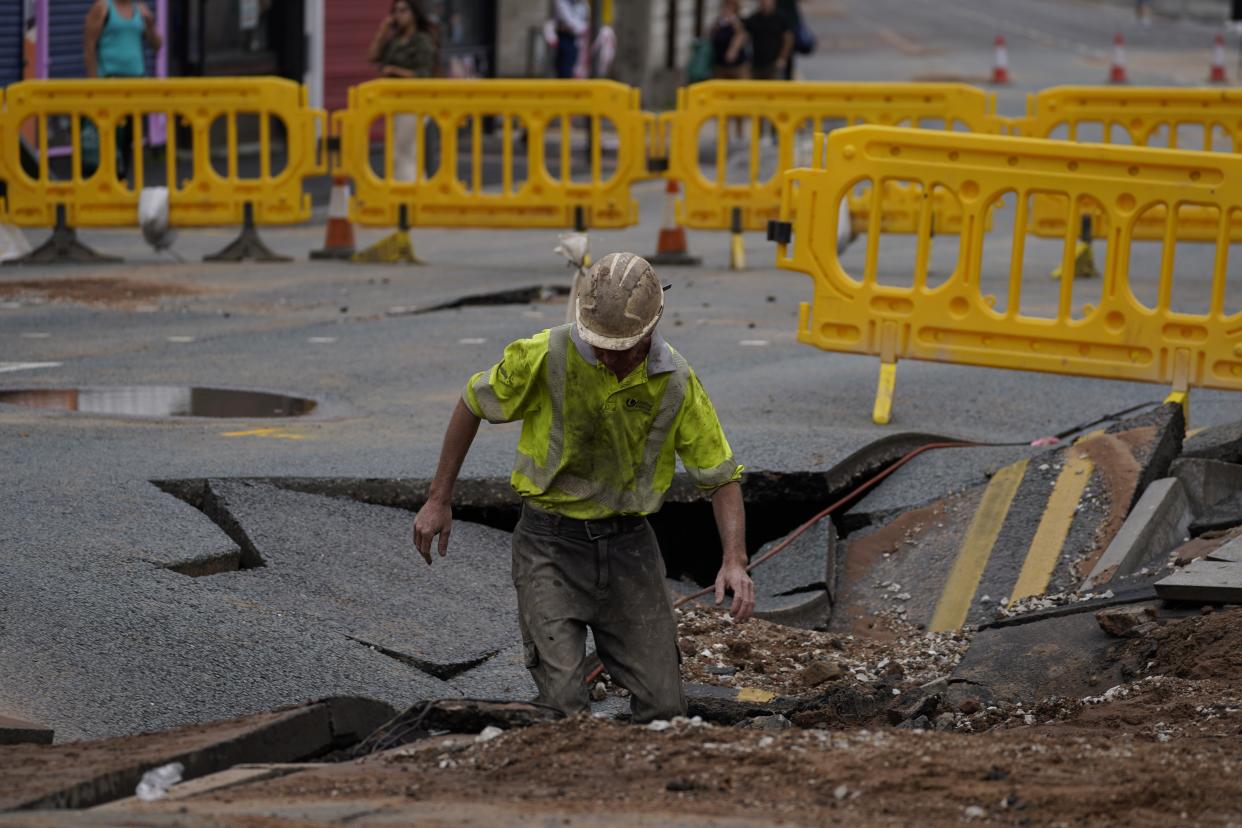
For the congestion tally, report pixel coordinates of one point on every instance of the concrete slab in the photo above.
(1157, 525)
(1215, 491)
(1230, 552)
(1209, 582)
(1221, 442)
(1062, 656)
(19, 732)
(793, 587)
(87, 774)
(352, 567)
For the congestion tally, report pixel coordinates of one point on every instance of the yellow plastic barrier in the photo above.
(200, 162)
(535, 121)
(793, 112)
(1173, 118)
(951, 319)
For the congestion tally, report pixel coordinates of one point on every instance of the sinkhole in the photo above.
(161, 401)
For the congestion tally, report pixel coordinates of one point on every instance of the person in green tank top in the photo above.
(113, 37)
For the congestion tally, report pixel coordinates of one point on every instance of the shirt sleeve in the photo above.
(509, 389)
(701, 442)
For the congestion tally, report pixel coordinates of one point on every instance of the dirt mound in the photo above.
(93, 291)
(1204, 647)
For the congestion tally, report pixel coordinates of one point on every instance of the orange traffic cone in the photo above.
(671, 247)
(338, 240)
(1000, 65)
(1117, 72)
(1217, 73)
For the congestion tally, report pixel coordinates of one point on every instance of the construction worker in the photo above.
(606, 407)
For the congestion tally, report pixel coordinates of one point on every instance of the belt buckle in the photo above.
(592, 536)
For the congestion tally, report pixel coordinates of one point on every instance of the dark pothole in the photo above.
(776, 504)
(515, 296)
(161, 401)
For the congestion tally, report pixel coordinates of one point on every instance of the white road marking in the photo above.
(35, 335)
(753, 342)
(180, 339)
(472, 340)
(10, 305)
(26, 366)
(322, 340)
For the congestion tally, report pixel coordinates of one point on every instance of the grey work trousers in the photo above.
(607, 575)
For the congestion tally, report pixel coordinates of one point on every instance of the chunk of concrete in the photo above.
(1230, 552)
(1215, 492)
(1155, 526)
(19, 732)
(1209, 582)
(1121, 621)
(1223, 442)
(794, 586)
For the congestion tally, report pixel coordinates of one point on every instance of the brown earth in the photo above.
(1162, 749)
(93, 291)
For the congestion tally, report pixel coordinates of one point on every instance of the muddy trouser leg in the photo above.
(635, 628)
(555, 578)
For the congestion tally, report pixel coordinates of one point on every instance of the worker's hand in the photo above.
(733, 577)
(148, 18)
(433, 519)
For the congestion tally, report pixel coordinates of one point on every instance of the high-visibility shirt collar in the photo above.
(659, 358)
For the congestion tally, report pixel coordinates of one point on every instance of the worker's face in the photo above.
(402, 15)
(622, 363)
(767, 6)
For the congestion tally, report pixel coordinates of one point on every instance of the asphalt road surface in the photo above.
(99, 636)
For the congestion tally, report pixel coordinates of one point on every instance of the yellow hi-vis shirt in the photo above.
(593, 446)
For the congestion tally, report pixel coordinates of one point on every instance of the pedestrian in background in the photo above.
(1142, 12)
(405, 47)
(113, 37)
(573, 22)
(771, 41)
(729, 44)
(730, 50)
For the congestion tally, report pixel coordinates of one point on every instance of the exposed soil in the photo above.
(91, 291)
(1163, 749)
(792, 662)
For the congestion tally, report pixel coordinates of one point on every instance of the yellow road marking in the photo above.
(750, 694)
(1054, 526)
(972, 557)
(270, 433)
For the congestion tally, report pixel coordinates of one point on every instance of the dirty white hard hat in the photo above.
(620, 302)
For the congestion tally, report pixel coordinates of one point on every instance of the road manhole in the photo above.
(161, 401)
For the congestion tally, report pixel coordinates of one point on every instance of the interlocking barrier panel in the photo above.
(1159, 316)
(567, 152)
(1174, 118)
(92, 162)
(730, 142)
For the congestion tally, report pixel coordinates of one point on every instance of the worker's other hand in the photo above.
(734, 578)
(433, 519)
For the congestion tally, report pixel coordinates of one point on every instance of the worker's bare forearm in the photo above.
(458, 437)
(730, 516)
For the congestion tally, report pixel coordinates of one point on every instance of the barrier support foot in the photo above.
(247, 245)
(1181, 398)
(580, 226)
(883, 411)
(63, 247)
(737, 245)
(394, 248)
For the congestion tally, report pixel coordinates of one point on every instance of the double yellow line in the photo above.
(1045, 548)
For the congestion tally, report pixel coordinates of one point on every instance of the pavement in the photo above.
(99, 637)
